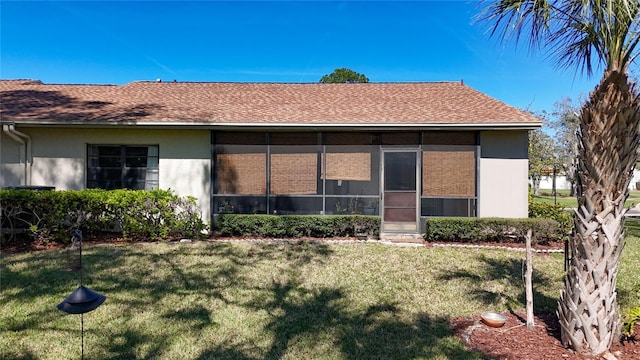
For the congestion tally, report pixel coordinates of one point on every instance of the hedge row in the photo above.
(437, 229)
(291, 226)
(471, 230)
(53, 215)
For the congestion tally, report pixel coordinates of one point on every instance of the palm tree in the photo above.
(583, 34)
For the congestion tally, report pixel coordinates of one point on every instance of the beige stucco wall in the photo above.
(12, 157)
(59, 158)
(503, 174)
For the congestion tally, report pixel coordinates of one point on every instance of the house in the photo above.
(405, 151)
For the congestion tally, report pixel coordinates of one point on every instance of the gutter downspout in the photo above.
(29, 155)
(18, 136)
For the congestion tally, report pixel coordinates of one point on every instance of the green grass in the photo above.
(567, 201)
(628, 285)
(271, 301)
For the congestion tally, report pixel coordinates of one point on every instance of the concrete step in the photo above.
(402, 238)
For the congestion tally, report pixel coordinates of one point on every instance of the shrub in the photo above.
(540, 209)
(630, 320)
(471, 230)
(53, 215)
(293, 226)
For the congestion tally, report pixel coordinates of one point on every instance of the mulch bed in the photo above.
(515, 341)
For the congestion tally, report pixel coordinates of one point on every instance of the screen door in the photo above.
(400, 195)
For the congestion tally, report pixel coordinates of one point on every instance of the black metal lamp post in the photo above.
(82, 300)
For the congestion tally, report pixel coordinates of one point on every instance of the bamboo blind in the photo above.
(348, 166)
(448, 173)
(243, 174)
(293, 174)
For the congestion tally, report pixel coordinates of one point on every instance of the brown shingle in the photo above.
(450, 103)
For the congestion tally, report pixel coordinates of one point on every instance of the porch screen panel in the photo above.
(348, 166)
(450, 138)
(448, 172)
(294, 174)
(242, 174)
(294, 163)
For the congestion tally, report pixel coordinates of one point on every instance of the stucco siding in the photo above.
(503, 174)
(59, 158)
(11, 161)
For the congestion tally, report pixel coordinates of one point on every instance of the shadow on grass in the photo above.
(137, 279)
(323, 316)
(632, 227)
(510, 271)
(198, 317)
(19, 355)
(134, 278)
(224, 351)
(126, 345)
(39, 272)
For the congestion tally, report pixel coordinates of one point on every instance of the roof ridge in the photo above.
(23, 81)
(39, 82)
(292, 83)
(159, 81)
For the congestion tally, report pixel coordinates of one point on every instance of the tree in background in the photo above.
(565, 126)
(542, 157)
(344, 75)
(584, 33)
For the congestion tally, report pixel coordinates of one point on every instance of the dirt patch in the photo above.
(21, 246)
(515, 341)
(28, 246)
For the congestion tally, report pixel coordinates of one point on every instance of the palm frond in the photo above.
(509, 18)
(581, 34)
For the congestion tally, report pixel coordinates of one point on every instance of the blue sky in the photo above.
(116, 42)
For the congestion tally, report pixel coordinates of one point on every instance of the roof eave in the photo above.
(243, 125)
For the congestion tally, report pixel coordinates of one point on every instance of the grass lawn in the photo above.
(567, 201)
(271, 301)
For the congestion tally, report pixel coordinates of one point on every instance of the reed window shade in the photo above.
(348, 166)
(294, 174)
(242, 174)
(447, 171)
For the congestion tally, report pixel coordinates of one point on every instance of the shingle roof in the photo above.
(433, 103)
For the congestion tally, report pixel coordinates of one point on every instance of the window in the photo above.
(122, 166)
(448, 171)
(449, 180)
(242, 170)
(350, 167)
(294, 167)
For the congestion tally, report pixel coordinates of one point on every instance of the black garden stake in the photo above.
(83, 299)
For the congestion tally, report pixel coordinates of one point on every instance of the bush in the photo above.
(630, 320)
(540, 209)
(293, 226)
(472, 230)
(53, 215)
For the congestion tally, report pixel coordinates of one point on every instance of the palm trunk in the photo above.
(588, 308)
